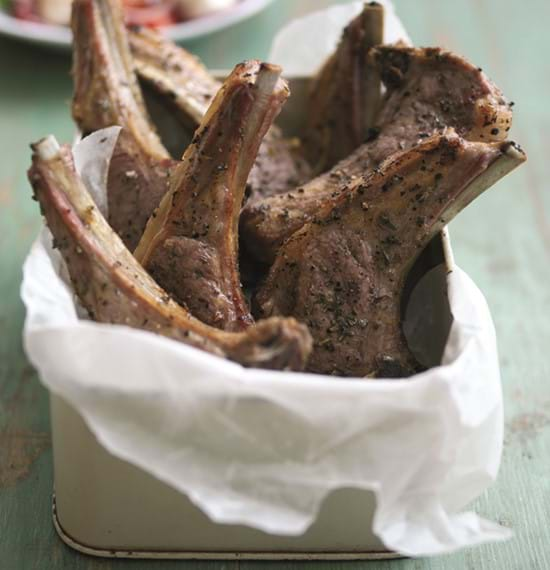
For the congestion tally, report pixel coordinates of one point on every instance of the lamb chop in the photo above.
(188, 88)
(343, 274)
(106, 93)
(190, 244)
(180, 77)
(345, 95)
(114, 288)
(428, 90)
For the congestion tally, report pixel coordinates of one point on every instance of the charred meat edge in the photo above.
(114, 288)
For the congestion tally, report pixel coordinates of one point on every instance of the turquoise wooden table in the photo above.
(503, 241)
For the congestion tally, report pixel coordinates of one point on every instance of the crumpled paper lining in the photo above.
(302, 46)
(265, 448)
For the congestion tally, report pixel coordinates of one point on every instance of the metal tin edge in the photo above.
(209, 555)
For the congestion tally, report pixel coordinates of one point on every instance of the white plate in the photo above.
(60, 36)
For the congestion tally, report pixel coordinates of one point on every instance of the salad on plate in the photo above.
(150, 13)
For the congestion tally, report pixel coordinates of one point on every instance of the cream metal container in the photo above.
(104, 506)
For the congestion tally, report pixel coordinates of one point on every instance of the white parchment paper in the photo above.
(302, 46)
(265, 448)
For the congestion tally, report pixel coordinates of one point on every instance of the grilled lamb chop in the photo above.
(189, 88)
(428, 91)
(343, 274)
(345, 95)
(114, 288)
(107, 93)
(173, 72)
(190, 245)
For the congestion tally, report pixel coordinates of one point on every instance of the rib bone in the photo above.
(343, 274)
(114, 288)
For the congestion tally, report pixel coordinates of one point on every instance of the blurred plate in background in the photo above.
(60, 36)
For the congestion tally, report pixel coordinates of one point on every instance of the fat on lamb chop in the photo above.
(114, 288)
(343, 274)
(344, 96)
(190, 244)
(107, 93)
(428, 90)
(188, 88)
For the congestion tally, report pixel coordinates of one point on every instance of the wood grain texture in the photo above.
(503, 242)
